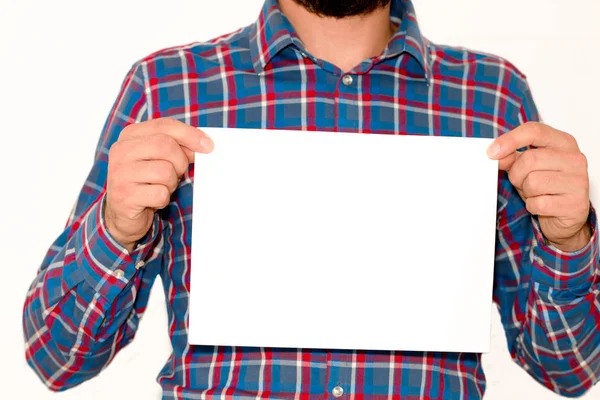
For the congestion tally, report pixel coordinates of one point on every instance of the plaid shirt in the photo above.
(90, 293)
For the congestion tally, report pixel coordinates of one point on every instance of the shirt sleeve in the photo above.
(85, 303)
(548, 299)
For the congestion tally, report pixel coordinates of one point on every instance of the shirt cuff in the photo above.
(565, 270)
(105, 264)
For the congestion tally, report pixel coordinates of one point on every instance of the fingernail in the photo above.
(493, 150)
(206, 142)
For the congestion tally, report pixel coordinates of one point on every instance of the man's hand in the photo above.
(144, 168)
(552, 179)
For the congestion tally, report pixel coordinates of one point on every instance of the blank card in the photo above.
(343, 241)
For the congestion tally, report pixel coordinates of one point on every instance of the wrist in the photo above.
(114, 232)
(575, 242)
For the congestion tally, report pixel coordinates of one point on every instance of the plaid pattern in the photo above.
(80, 312)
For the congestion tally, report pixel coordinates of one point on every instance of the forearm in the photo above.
(84, 304)
(60, 347)
(559, 343)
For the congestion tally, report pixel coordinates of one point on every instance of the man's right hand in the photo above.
(144, 169)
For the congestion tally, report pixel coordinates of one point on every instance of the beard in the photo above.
(342, 8)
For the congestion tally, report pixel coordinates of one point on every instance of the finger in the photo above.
(192, 138)
(560, 205)
(150, 196)
(539, 183)
(541, 159)
(154, 172)
(531, 134)
(155, 147)
(507, 162)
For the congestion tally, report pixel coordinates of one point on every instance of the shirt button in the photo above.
(541, 262)
(337, 391)
(119, 274)
(347, 80)
(139, 265)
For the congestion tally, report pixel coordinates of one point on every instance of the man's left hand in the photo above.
(551, 178)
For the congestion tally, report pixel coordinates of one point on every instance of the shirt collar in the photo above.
(273, 32)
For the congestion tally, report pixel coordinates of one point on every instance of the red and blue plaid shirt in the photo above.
(90, 293)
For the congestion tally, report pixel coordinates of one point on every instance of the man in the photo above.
(348, 65)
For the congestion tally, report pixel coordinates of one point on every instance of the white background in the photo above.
(61, 65)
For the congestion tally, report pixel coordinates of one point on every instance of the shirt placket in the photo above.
(338, 385)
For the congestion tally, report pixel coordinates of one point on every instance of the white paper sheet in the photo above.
(343, 241)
